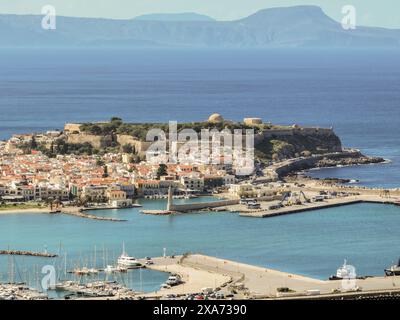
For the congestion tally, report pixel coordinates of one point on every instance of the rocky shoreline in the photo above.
(344, 162)
(349, 157)
(362, 160)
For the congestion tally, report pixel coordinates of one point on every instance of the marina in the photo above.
(297, 233)
(198, 277)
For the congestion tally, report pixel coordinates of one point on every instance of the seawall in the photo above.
(202, 205)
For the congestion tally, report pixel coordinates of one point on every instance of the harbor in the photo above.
(204, 277)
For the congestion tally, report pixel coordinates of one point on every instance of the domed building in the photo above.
(215, 118)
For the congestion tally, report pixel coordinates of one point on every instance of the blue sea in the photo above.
(357, 92)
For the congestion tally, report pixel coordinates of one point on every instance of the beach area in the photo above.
(22, 211)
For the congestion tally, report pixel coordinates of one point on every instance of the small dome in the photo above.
(216, 117)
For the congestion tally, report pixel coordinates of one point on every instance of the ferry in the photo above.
(393, 270)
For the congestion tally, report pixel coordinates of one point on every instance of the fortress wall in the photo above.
(140, 146)
(321, 131)
(292, 131)
(278, 132)
(95, 141)
(72, 127)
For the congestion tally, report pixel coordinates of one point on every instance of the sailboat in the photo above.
(125, 260)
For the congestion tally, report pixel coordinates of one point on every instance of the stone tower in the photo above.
(170, 205)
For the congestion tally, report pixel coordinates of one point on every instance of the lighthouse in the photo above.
(170, 205)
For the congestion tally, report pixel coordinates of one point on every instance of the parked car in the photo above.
(219, 295)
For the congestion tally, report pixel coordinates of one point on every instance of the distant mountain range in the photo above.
(187, 16)
(300, 26)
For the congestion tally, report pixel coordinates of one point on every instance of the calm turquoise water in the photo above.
(313, 243)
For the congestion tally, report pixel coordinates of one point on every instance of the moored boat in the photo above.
(344, 272)
(125, 260)
(393, 270)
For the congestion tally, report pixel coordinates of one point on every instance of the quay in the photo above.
(28, 253)
(245, 281)
(327, 203)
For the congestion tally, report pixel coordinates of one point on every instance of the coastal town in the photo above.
(29, 175)
(86, 167)
(61, 168)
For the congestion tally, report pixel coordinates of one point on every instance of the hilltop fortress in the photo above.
(272, 142)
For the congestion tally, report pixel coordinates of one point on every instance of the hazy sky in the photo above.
(385, 13)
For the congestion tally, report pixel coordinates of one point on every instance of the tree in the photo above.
(34, 144)
(162, 170)
(128, 148)
(105, 174)
(99, 162)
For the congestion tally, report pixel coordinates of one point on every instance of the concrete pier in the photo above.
(253, 282)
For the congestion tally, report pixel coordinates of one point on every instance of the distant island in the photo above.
(186, 16)
(299, 26)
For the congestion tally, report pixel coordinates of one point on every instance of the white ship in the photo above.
(344, 272)
(127, 261)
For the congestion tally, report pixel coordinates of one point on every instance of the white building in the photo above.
(192, 182)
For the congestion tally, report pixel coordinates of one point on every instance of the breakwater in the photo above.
(28, 253)
(79, 212)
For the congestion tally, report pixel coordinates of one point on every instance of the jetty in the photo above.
(80, 212)
(158, 212)
(28, 253)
